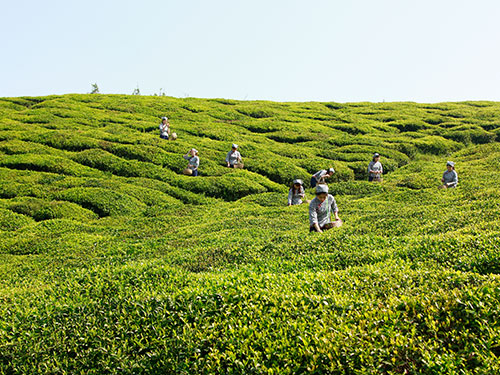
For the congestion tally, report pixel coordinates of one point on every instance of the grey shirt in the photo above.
(297, 197)
(375, 167)
(164, 129)
(193, 160)
(450, 178)
(320, 174)
(233, 157)
(319, 211)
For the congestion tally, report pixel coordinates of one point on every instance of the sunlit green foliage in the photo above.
(113, 261)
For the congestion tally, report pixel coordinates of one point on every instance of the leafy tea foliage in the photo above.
(112, 261)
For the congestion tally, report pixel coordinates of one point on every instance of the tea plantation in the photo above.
(114, 262)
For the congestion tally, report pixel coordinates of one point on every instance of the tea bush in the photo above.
(40, 209)
(113, 261)
(102, 201)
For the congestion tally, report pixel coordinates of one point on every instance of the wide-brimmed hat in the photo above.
(376, 155)
(450, 163)
(298, 181)
(331, 170)
(164, 118)
(234, 145)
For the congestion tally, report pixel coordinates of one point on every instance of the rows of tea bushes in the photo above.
(112, 261)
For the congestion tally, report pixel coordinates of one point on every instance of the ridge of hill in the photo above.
(112, 261)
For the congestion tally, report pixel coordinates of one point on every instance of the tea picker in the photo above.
(165, 130)
(193, 162)
(321, 209)
(296, 192)
(450, 176)
(375, 169)
(320, 176)
(233, 157)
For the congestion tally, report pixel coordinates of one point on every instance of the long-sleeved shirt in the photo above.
(320, 212)
(450, 178)
(320, 174)
(193, 161)
(375, 167)
(233, 157)
(164, 129)
(297, 197)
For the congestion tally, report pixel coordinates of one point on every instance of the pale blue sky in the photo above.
(286, 50)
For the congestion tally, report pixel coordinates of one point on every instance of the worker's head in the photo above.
(164, 120)
(321, 192)
(376, 157)
(297, 183)
(234, 147)
(330, 172)
(450, 165)
(194, 152)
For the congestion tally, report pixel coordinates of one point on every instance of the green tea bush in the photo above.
(47, 163)
(113, 261)
(266, 199)
(409, 125)
(182, 195)
(40, 209)
(435, 145)
(362, 188)
(105, 161)
(102, 201)
(254, 112)
(281, 172)
(225, 187)
(145, 195)
(65, 140)
(11, 220)
(468, 134)
(13, 147)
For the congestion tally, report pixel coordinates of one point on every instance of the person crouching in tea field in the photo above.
(375, 169)
(193, 162)
(296, 192)
(321, 209)
(164, 128)
(233, 158)
(320, 176)
(450, 177)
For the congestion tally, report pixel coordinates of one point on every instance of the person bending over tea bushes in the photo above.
(320, 176)
(450, 177)
(375, 169)
(321, 209)
(193, 162)
(233, 158)
(296, 192)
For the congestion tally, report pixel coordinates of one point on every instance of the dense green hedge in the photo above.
(103, 202)
(113, 261)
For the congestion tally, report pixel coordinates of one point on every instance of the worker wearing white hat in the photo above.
(450, 176)
(164, 128)
(375, 169)
(233, 157)
(193, 162)
(296, 192)
(320, 176)
(321, 209)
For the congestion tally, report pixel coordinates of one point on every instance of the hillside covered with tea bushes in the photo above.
(113, 261)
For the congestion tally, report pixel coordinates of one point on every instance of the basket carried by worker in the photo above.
(239, 165)
(188, 172)
(334, 224)
(173, 136)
